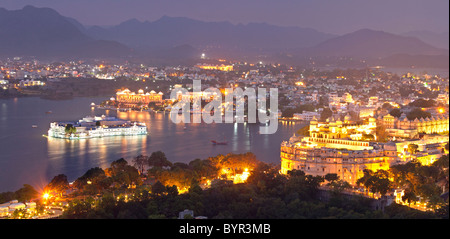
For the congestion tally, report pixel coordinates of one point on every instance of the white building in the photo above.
(306, 115)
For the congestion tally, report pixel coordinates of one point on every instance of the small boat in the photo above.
(219, 143)
(48, 112)
(34, 126)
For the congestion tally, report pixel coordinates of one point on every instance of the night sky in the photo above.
(330, 16)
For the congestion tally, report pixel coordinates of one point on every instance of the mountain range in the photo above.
(43, 32)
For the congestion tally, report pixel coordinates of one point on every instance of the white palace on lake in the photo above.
(95, 127)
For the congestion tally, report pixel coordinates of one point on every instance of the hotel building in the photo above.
(126, 98)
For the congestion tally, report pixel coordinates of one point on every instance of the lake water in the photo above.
(27, 157)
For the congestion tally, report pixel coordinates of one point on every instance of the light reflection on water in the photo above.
(28, 157)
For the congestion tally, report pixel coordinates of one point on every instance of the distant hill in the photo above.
(44, 32)
(368, 48)
(173, 31)
(440, 40)
(419, 61)
(368, 43)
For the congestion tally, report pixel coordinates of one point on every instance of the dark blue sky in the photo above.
(331, 16)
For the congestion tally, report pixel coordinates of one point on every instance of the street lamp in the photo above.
(45, 196)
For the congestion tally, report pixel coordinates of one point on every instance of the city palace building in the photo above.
(337, 147)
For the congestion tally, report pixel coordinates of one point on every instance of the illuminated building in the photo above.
(366, 111)
(404, 128)
(336, 147)
(215, 67)
(443, 99)
(126, 98)
(194, 96)
(319, 158)
(339, 102)
(29, 83)
(373, 101)
(306, 115)
(96, 127)
(429, 148)
(337, 129)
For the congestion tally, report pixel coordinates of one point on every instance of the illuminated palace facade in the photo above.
(215, 67)
(337, 147)
(126, 98)
(404, 128)
(330, 148)
(347, 164)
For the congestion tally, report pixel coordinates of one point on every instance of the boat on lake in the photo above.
(214, 142)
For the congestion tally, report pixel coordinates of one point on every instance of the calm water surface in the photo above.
(27, 157)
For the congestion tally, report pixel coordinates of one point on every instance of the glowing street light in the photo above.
(45, 196)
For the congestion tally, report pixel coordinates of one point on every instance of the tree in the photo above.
(58, 184)
(417, 114)
(331, 177)
(140, 162)
(70, 129)
(442, 162)
(326, 113)
(380, 132)
(377, 182)
(396, 113)
(422, 103)
(158, 159)
(428, 191)
(304, 185)
(339, 185)
(158, 188)
(172, 191)
(6, 196)
(382, 186)
(95, 176)
(387, 106)
(128, 176)
(26, 193)
(410, 197)
(203, 169)
(413, 148)
(118, 164)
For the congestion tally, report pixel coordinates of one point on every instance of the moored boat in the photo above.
(214, 142)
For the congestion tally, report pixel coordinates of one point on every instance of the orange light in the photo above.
(441, 110)
(46, 196)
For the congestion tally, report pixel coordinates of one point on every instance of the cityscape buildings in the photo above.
(362, 117)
